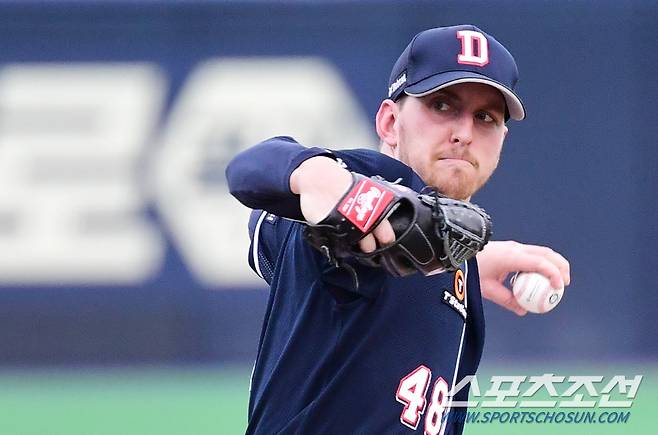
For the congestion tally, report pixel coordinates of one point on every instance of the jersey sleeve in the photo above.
(267, 232)
(259, 177)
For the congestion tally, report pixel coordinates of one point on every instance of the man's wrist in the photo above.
(315, 171)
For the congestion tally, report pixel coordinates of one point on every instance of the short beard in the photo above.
(459, 187)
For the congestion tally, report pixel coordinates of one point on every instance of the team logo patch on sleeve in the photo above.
(365, 203)
(455, 299)
(460, 285)
(450, 300)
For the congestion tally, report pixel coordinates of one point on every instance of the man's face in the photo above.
(452, 138)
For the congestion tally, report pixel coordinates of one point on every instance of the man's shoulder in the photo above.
(370, 155)
(372, 162)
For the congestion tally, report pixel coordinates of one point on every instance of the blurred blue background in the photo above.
(119, 243)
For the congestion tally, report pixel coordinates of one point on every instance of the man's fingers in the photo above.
(535, 263)
(382, 235)
(367, 244)
(554, 257)
(501, 295)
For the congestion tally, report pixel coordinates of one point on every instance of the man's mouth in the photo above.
(456, 159)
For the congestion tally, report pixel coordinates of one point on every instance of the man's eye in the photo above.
(441, 106)
(484, 116)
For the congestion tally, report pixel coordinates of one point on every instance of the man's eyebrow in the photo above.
(447, 93)
(495, 106)
(491, 104)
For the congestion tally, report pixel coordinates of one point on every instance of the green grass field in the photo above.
(195, 401)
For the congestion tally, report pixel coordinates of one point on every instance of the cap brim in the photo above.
(440, 81)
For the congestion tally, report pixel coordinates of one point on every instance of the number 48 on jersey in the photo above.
(412, 393)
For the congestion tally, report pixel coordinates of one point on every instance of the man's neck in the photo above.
(386, 149)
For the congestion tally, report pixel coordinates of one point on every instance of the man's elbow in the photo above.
(236, 174)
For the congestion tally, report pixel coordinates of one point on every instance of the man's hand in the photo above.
(499, 259)
(320, 183)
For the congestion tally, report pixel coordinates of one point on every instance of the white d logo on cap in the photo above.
(470, 39)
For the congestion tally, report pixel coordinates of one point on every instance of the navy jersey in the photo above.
(377, 356)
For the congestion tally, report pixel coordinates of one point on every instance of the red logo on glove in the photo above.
(365, 203)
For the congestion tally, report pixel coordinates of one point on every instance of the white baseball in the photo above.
(534, 292)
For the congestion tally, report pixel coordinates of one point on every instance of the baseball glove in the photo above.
(432, 233)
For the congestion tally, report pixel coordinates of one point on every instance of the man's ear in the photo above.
(385, 122)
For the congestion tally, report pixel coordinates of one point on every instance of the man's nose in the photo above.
(462, 130)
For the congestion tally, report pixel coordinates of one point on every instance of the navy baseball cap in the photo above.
(446, 56)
